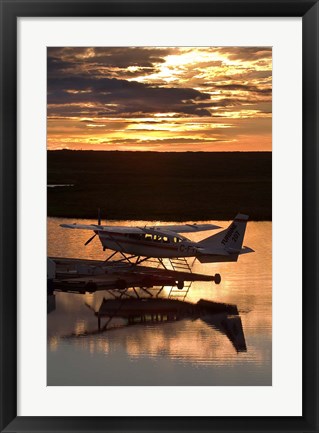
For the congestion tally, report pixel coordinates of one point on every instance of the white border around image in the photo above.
(284, 397)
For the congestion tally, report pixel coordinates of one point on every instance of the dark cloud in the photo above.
(121, 97)
(245, 53)
(135, 56)
(97, 61)
(125, 73)
(244, 88)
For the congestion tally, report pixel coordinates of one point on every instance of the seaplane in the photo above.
(138, 244)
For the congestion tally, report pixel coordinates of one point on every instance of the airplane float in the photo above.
(160, 242)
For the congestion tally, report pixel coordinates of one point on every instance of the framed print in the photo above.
(159, 163)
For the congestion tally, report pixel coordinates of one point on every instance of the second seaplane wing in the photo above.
(187, 228)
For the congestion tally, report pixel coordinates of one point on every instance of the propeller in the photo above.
(95, 232)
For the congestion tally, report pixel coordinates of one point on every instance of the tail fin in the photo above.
(230, 239)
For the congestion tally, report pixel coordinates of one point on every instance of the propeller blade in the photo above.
(89, 240)
(99, 216)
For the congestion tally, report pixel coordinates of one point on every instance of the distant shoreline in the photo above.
(165, 186)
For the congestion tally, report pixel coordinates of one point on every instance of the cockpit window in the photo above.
(176, 239)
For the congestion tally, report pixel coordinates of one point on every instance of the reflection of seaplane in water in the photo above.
(224, 318)
(143, 243)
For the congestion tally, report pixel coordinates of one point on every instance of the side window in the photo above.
(134, 236)
(157, 238)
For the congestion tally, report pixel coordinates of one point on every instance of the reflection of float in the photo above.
(140, 311)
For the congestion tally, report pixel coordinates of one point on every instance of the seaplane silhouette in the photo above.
(160, 242)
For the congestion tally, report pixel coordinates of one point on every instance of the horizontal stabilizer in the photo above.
(246, 250)
(213, 251)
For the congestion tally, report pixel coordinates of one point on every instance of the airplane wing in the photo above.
(95, 227)
(183, 228)
(82, 226)
(187, 228)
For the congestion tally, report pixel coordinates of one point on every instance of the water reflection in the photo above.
(190, 351)
(143, 311)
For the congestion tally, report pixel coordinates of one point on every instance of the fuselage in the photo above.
(149, 243)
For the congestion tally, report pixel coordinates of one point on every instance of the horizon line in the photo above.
(160, 151)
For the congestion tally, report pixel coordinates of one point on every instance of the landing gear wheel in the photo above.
(120, 284)
(180, 285)
(217, 278)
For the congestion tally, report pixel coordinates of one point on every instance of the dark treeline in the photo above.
(160, 186)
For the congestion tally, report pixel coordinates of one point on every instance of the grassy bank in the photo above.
(160, 186)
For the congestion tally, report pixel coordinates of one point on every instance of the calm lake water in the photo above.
(186, 352)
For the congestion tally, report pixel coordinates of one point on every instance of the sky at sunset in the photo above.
(160, 99)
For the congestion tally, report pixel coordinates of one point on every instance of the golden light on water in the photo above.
(179, 349)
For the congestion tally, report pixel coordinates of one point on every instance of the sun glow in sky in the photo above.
(160, 99)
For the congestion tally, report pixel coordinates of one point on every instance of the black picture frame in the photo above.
(10, 11)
